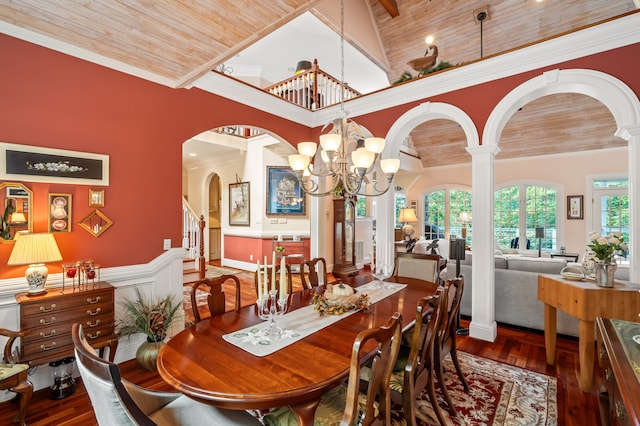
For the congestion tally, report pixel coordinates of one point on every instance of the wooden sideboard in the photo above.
(619, 357)
(48, 319)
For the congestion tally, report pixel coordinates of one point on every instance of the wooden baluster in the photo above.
(201, 260)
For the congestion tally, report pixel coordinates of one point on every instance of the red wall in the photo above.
(53, 100)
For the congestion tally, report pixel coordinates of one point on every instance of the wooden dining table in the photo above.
(202, 365)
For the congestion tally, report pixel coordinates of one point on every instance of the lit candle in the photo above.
(273, 271)
(283, 275)
(259, 282)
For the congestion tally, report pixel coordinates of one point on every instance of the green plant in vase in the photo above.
(151, 319)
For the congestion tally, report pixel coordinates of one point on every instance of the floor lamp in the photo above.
(456, 251)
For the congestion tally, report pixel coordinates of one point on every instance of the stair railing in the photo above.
(193, 236)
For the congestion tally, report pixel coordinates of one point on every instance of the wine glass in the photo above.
(382, 271)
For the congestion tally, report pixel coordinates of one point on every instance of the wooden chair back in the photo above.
(269, 273)
(16, 375)
(445, 343)
(417, 265)
(317, 272)
(104, 385)
(418, 371)
(216, 300)
(388, 338)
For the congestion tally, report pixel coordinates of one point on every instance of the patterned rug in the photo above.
(500, 394)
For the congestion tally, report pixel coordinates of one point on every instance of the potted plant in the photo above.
(151, 319)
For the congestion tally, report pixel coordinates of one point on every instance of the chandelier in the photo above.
(348, 154)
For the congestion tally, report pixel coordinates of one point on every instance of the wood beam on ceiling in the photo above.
(391, 6)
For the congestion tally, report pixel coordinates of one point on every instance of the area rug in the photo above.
(500, 394)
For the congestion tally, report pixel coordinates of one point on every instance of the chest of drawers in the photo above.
(49, 318)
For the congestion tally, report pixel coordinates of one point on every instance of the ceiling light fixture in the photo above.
(347, 155)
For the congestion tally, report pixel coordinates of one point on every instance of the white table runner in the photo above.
(298, 324)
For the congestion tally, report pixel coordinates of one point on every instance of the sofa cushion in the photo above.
(541, 265)
(500, 262)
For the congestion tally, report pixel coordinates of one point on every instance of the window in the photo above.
(361, 206)
(441, 211)
(519, 210)
(611, 207)
(400, 203)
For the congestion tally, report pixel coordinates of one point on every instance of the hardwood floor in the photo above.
(522, 348)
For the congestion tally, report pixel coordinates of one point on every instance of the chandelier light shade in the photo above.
(349, 155)
(35, 250)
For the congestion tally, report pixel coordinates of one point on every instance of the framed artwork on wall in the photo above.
(284, 195)
(575, 205)
(59, 212)
(38, 164)
(96, 197)
(239, 204)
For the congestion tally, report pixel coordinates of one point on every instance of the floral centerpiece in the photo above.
(338, 299)
(151, 319)
(606, 247)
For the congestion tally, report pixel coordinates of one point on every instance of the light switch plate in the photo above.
(166, 245)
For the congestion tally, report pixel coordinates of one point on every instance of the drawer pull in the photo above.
(93, 336)
(608, 374)
(603, 353)
(51, 308)
(90, 312)
(48, 348)
(93, 324)
(43, 334)
(620, 411)
(96, 300)
(44, 322)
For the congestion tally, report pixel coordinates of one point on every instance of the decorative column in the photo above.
(632, 135)
(483, 325)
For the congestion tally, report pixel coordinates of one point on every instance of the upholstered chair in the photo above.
(119, 402)
(420, 266)
(13, 376)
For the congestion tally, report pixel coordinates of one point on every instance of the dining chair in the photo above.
(216, 299)
(317, 272)
(414, 369)
(14, 376)
(445, 341)
(346, 404)
(421, 266)
(277, 284)
(117, 401)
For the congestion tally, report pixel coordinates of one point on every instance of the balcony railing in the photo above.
(312, 89)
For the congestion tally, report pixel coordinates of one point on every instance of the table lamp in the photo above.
(35, 250)
(407, 215)
(539, 236)
(464, 218)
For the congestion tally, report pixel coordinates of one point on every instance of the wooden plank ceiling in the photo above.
(179, 41)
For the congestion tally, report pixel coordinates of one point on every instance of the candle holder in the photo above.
(271, 309)
(70, 273)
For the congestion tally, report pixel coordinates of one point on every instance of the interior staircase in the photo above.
(194, 264)
(190, 272)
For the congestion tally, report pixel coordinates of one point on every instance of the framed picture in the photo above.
(59, 212)
(239, 206)
(575, 205)
(38, 164)
(284, 195)
(96, 197)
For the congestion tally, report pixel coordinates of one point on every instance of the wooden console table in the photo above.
(586, 301)
(619, 357)
(49, 318)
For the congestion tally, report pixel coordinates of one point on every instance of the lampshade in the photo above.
(464, 217)
(18, 218)
(303, 66)
(539, 232)
(407, 215)
(35, 250)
